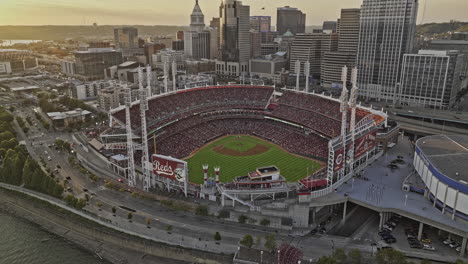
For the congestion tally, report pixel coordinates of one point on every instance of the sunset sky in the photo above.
(176, 12)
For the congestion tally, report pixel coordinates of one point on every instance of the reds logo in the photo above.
(162, 169)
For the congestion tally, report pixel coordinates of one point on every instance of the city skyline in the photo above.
(86, 12)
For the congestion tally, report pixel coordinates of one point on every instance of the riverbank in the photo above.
(106, 243)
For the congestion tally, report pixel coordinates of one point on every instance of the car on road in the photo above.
(85, 190)
(49, 158)
(120, 180)
(58, 166)
(68, 178)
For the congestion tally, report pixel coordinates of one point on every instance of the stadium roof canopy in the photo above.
(448, 154)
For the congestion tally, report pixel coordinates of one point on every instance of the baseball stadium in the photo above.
(236, 129)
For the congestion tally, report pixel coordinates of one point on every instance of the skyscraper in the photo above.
(197, 40)
(333, 62)
(290, 18)
(260, 23)
(234, 39)
(197, 19)
(387, 29)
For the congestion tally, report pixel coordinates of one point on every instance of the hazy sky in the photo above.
(176, 12)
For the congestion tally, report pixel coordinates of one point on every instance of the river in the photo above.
(24, 242)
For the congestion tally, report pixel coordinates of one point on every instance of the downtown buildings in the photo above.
(234, 40)
(432, 78)
(387, 29)
(290, 18)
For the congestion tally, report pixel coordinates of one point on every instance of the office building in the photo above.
(167, 56)
(290, 18)
(329, 27)
(197, 41)
(333, 62)
(150, 49)
(178, 44)
(197, 44)
(15, 61)
(197, 19)
(234, 56)
(90, 64)
(260, 23)
(387, 29)
(126, 38)
(268, 66)
(432, 78)
(312, 47)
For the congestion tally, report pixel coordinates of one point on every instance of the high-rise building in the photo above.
(126, 38)
(197, 19)
(260, 23)
(333, 62)
(349, 30)
(432, 78)
(150, 49)
(387, 29)
(197, 44)
(197, 40)
(312, 47)
(234, 39)
(290, 18)
(90, 64)
(329, 27)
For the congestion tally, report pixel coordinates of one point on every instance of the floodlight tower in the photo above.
(352, 125)
(128, 127)
(142, 92)
(298, 73)
(166, 76)
(307, 74)
(148, 80)
(174, 75)
(344, 115)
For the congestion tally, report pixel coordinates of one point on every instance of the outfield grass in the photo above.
(292, 167)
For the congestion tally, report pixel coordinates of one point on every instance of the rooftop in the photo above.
(448, 154)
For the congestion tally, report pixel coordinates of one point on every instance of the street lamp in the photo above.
(261, 256)
(406, 199)
(278, 256)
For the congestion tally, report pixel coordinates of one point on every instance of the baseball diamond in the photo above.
(239, 154)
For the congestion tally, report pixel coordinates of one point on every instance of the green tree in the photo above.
(265, 222)
(242, 219)
(217, 236)
(247, 241)
(81, 203)
(201, 210)
(390, 256)
(339, 255)
(114, 210)
(270, 241)
(327, 260)
(130, 216)
(355, 256)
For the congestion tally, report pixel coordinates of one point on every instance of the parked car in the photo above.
(454, 245)
(447, 241)
(428, 247)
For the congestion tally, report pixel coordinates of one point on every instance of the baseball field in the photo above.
(237, 155)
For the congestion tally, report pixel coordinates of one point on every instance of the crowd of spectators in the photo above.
(185, 121)
(295, 140)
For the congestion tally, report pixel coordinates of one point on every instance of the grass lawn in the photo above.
(292, 167)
